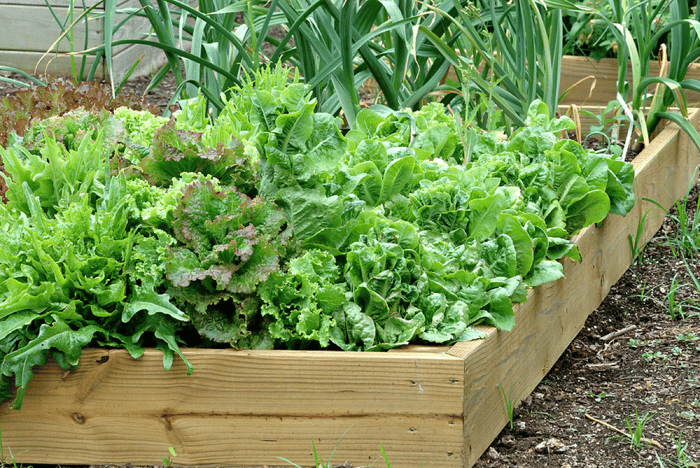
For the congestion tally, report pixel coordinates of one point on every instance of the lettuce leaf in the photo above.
(301, 301)
(76, 272)
(228, 245)
(175, 151)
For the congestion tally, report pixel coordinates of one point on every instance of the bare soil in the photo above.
(581, 413)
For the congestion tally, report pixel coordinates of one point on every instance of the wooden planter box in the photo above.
(29, 30)
(578, 74)
(574, 69)
(426, 406)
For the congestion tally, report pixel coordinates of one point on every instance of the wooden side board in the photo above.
(35, 29)
(243, 408)
(30, 30)
(595, 83)
(60, 65)
(60, 3)
(426, 406)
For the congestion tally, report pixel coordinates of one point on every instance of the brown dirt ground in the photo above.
(578, 415)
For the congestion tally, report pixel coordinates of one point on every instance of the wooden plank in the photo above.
(125, 58)
(65, 3)
(27, 61)
(242, 408)
(554, 313)
(248, 441)
(573, 69)
(34, 29)
(60, 65)
(421, 349)
(31, 31)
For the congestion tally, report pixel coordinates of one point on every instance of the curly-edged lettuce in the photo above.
(80, 274)
(70, 128)
(441, 206)
(301, 300)
(140, 126)
(228, 244)
(56, 173)
(175, 151)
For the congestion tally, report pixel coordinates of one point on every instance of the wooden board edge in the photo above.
(124, 58)
(115, 409)
(66, 3)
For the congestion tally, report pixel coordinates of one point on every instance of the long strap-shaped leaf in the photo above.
(220, 29)
(348, 93)
(110, 8)
(168, 49)
(24, 74)
(378, 68)
(66, 30)
(500, 96)
(300, 31)
(326, 71)
(473, 36)
(685, 125)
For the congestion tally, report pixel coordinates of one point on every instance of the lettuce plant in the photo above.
(174, 151)
(301, 300)
(228, 245)
(75, 271)
(288, 234)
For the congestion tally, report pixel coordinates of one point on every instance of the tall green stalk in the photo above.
(337, 45)
(502, 57)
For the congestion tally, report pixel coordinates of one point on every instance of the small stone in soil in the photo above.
(492, 454)
(551, 446)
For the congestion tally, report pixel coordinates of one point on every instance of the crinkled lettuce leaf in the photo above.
(301, 301)
(228, 245)
(175, 151)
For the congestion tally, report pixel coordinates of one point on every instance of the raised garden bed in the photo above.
(426, 406)
(574, 69)
(25, 51)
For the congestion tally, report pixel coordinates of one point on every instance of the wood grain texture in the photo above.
(242, 408)
(122, 60)
(33, 28)
(574, 69)
(517, 361)
(51, 65)
(62, 3)
(29, 30)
